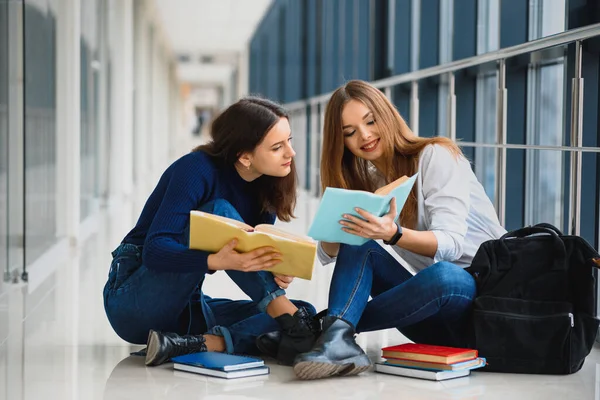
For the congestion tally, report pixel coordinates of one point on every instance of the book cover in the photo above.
(219, 361)
(419, 373)
(470, 364)
(210, 233)
(429, 353)
(337, 202)
(241, 373)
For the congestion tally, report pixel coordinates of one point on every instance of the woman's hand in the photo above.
(371, 226)
(283, 281)
(255, 260)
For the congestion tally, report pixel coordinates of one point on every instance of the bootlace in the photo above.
(190, 344)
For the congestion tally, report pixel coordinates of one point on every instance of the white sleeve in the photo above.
(323, 257)
(446, 194)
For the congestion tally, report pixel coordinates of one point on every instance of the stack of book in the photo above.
(220, 365)
(429, 362)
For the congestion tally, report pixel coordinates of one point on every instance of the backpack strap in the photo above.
(558, 246)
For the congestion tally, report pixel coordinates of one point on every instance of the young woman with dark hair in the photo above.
(154, 289)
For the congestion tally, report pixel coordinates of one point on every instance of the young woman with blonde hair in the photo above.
(367, 144)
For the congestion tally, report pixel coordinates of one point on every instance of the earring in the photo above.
(248, 166)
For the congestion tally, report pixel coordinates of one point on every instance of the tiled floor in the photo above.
(65, 349)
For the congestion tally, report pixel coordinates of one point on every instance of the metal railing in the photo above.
(307, 115)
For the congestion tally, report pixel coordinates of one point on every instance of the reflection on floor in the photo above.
(56, 344)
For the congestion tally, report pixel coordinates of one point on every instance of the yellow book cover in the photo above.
(209, 232)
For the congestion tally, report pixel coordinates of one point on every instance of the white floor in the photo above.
(59, 345)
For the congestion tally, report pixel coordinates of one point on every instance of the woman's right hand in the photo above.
(255, 260)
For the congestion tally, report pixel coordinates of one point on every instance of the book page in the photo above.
(210, 233)
(228, 221)
(336, 202)
(391, 186)
(272, 230)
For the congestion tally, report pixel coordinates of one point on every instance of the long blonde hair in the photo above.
(401, 147)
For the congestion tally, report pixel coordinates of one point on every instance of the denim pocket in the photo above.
(127, 259)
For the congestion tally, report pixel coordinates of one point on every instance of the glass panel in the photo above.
(445, 56)
(89, 83)
(4, 269)
(414, 34)
(546, 17)
(40, 126)
(544, 183)
(545, 168)
(485, 132)
(488, 30)
(488, 39)
(544, 201)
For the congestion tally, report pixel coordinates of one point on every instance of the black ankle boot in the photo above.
(268, 343)
(164, 346)
(298, 334)
(334, 353)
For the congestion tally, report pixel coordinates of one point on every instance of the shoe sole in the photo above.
(152, 348)
(310, 370)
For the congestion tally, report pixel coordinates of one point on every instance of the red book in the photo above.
(429, 353)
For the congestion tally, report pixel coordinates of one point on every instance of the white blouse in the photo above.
(453, 205)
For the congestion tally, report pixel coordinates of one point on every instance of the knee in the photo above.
(358, 250)
(451, 279)
(124, 325)
(221, 207)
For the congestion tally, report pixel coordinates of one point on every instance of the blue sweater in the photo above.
(186, 185)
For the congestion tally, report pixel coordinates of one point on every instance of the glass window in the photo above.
(40, 126)
(545, 91)
(4, 270)
(89, 103)
(445, 56)
(488, 39)
(415, 34)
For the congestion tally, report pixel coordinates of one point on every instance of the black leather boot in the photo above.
(164, 346)
(334, 353)
(298, 334)
(268, 343)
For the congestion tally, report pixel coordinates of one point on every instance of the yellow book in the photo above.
(211, 232)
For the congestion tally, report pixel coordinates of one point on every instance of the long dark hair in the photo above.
(239, 129)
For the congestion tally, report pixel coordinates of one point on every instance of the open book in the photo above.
(337, 202)
(211, 232)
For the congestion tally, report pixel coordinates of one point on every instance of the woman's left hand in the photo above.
(371, 226)
(283, 281)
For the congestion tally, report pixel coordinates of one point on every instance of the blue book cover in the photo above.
(219, 361)
(337, 202)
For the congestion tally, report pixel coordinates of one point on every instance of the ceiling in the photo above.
(216, 30)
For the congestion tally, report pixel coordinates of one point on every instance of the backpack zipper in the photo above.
(521, 316)
(572, 319)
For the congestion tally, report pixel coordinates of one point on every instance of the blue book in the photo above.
(219, 361)
(337, 202)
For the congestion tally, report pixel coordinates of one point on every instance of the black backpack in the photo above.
(535, 309)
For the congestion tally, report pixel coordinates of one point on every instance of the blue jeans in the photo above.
(431, 307)
(137, 299)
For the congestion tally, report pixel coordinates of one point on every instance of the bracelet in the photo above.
(396, 236)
